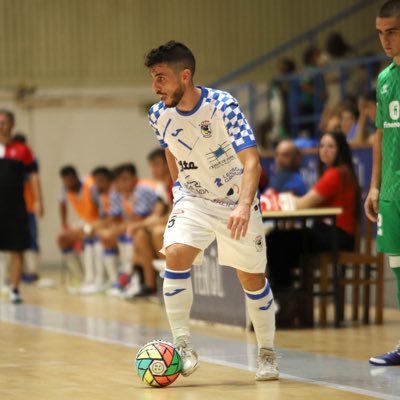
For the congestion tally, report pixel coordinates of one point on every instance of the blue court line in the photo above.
(327, 371)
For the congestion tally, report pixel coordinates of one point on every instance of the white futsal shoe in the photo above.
(267, 366)
(190, 361)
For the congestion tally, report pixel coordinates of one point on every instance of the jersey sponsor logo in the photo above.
(218, 182)
(195, 186)
(234, 189)
(220, 156)
(391, 124)
(185, 165)
(394, 109)
(235, 171)
(384, 88)
(205, 129)
(177, 132)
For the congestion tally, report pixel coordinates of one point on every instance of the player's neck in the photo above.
(397, 60)
(189, 99)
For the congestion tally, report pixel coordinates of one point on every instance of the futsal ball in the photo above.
(158, 363)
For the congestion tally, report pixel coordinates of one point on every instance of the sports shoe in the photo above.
(91, 288)
(15, 296)
(390, 358)
(189, 357)
(267, 366)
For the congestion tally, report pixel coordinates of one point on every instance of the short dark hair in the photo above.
(171, 52)
(122, 168)
(102, 170)
(157, 153)
(9, 114)
(68, 170)
(390, 9)
(19, 137)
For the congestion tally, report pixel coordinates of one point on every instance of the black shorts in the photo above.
(14, 227)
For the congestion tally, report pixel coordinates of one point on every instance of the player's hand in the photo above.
(371, 205)
(238, 221)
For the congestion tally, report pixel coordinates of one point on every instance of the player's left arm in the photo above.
(32, 169)
(239, 218)
(37, 190)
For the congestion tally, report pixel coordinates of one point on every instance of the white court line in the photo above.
(205, 359)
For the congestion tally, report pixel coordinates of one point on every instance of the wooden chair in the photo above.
(366, 269)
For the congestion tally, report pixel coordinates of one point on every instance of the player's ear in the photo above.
(186, 75)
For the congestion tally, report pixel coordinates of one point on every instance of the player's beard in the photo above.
(176, 97)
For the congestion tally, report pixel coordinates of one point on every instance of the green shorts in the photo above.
(388, 229)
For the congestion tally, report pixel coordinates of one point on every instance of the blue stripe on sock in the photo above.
(176, 275)
(87, 242)
(264, 293)
(124, 239)
(110, 252)
(265, 308)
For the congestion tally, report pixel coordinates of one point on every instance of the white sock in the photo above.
(178, 298)
(88, 261)
(4, 260)
(125, 247)
(73, 264)
(110, 258)
(31, 259)
(99, 275)
(261, 307)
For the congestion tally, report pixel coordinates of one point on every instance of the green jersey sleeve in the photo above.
(379, 117)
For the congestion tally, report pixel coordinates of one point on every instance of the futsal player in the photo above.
(383, 201)
(16, 166)
(211, 151)
(81, 195)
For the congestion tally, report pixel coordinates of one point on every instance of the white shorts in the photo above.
(197, 222)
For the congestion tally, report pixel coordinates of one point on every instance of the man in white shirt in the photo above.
(211, 152)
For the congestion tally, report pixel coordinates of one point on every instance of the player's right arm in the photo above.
(371, 205)
(173, 168)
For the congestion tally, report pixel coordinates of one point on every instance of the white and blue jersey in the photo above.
(205, 143)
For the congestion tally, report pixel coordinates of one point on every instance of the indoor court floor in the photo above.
(59, 346)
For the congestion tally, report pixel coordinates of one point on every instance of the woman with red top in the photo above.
(336, 187)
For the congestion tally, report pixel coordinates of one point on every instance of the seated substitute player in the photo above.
(16, 166)
(149, 232)
(211, 151)
(81, 195)
(130, 202)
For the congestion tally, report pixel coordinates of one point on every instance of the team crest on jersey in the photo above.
(258, 243)
(205, 128)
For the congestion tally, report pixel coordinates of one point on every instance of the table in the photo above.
(316, 214)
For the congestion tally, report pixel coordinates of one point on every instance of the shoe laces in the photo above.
(183, 346)
(267, 358)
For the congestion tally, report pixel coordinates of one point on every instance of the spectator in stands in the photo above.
(277, 125)
(81, 195)
(348, 115)
(313, 92)
(366, 122)
(16, 165)
(149, 232)
(287, 177)
(336, 50)
(336, 187)
(31, 256)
